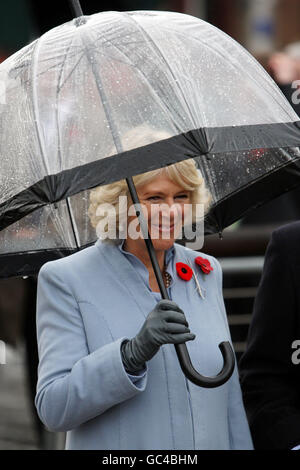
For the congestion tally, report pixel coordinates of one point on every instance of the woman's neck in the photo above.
(142, 253)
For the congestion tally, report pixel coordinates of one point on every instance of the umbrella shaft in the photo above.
(76, 8)
(147, 238)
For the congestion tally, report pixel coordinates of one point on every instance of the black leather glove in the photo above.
(166, 323)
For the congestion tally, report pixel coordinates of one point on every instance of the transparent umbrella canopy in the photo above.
(111, 95)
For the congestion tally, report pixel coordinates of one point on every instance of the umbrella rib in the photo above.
(161, 55)
(59, 87)
(22, 66)
(39, 133)
(208, 176)
(209, 46)
(167, 110)
(70, 73)
(35, 105)
(163, 105)
(57, 95)
(29, 79)
(106, 107)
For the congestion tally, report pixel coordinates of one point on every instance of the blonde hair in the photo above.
(183, 173)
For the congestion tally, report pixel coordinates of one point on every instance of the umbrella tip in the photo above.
(80, 20)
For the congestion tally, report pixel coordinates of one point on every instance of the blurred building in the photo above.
(16, 26)
(261, 26)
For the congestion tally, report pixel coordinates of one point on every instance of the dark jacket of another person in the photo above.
(270, 380)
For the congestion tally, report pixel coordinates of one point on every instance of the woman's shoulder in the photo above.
(80, 260)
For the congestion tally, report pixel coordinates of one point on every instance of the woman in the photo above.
(108, 369)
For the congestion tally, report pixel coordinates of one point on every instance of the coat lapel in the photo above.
(126, 276)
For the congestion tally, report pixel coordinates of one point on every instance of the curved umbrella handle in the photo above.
(202, 380)
(181, 349)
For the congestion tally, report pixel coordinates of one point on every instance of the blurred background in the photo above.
(269, 30)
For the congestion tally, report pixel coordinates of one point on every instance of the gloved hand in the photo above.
(166, 323)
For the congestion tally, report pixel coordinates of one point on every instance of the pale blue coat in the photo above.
(87, 304)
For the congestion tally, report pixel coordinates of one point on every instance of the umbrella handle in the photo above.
(181, 349)
(202, 380)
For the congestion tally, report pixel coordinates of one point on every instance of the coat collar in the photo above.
(168, 253)
(141, 268)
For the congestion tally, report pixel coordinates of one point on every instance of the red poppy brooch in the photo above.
(204, 264)
(186, 272)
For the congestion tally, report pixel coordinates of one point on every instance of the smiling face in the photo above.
(163, 203)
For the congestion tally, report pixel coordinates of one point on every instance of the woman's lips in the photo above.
(163, 228)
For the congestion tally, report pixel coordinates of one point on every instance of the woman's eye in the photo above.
(156, 198)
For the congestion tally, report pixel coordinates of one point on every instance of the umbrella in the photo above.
(70, 99)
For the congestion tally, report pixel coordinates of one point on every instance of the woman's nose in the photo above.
(170, 207)
(170, 201)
